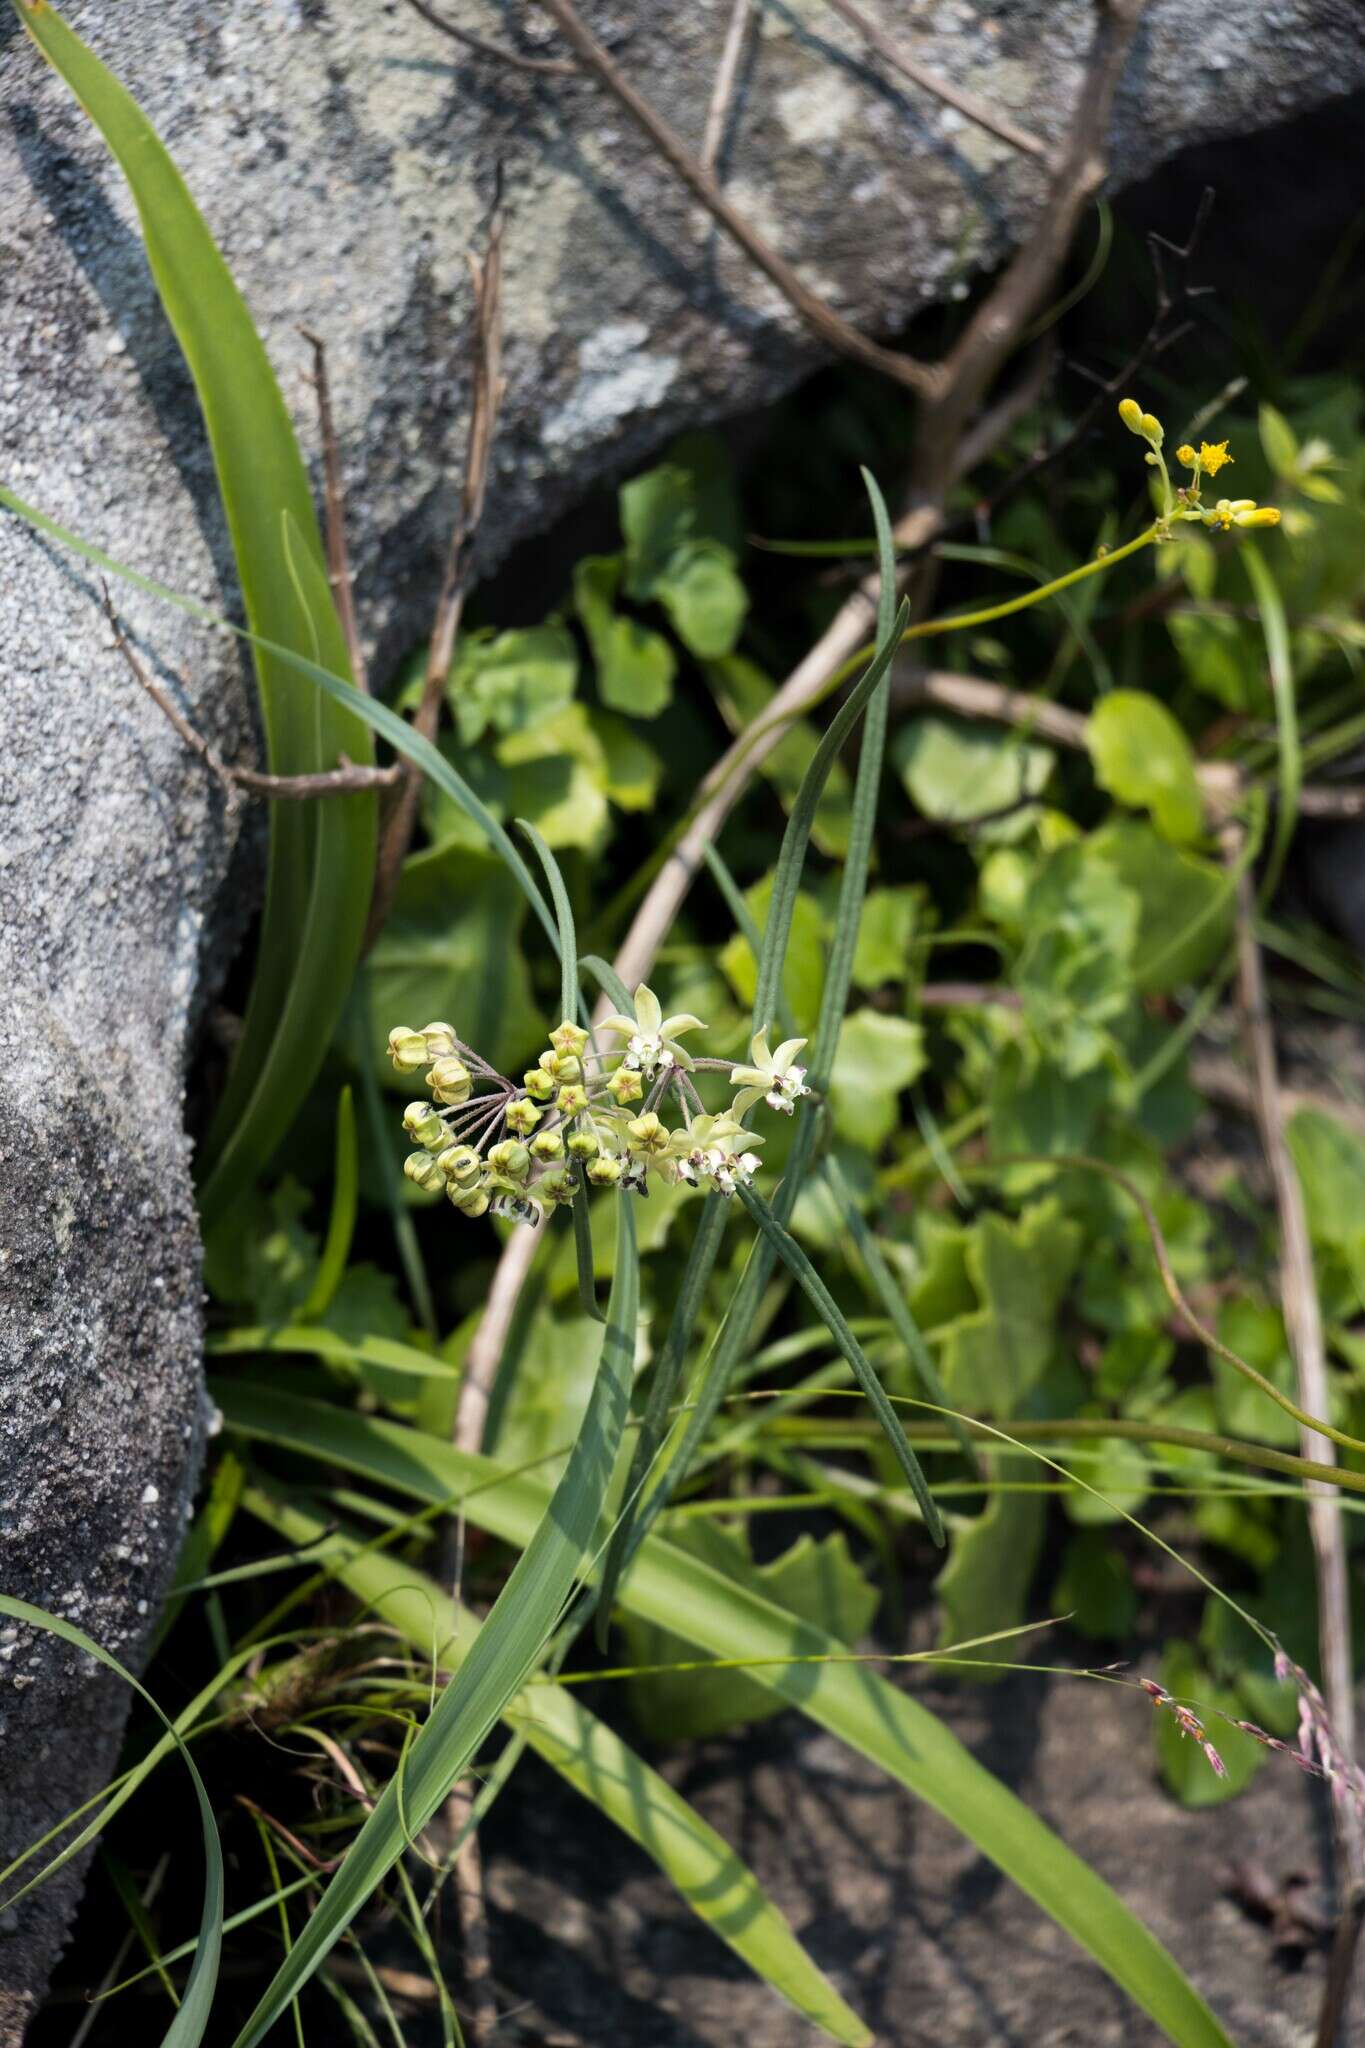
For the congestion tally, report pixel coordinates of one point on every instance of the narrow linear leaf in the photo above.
(893, 1301)
(568, 938)
(663, 1388)
(499, 1661)
(341, 1223)
(582, 1244)
(1275, 627)
(730, 1618)
(862, 818)
(827, 1308)
(609, 981)
(796, 838)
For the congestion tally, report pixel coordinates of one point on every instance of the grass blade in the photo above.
(341, 1223)
(582, 1244)
(609, 981)
(188, 2027)
(862, 818)
(321, 859)
(731, 1618)
(663, 1389)
(568, 940)
(827, 1308)
(499, 1661)
(887, 1292)
(1279, 659)
(715, 1882)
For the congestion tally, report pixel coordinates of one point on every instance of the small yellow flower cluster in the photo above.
(1184, 502)
(496, 1148)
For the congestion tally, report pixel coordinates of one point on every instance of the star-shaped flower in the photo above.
(774, 1076)
(707, 1152)
(650, 1036)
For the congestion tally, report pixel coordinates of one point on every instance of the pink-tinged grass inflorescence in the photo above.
(583, 1117)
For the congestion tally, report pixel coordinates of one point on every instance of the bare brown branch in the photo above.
(338, 555)
(723, 91)
(1303, 1324)
(540, 67)
(978, 110)
(829, 326)
(486, 396)
(344, 780)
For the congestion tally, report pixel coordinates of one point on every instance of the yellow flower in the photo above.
(1186, 455)
(1212, 456)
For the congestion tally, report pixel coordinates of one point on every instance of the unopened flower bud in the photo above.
(1130, 412)
(423, 1170)
(1259, 515)
(558, 1185)
(460, 1163)
(538, 1084)
(522, 1116)
(511, 1159)
(604, 1172)
(469, 1201)
(572, 1099)
(449, 1081)
(569, 1038)
(648, 1133)
(423, 1126)
(1152, 429)
(625, 1085)
(547, 1145)
(440, 1040)
(1186, 455)
(584, 1145)
(407, 1049)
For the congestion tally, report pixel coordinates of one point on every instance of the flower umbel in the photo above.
(579, 1118)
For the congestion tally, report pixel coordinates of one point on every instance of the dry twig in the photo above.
(723, 91)
(1303, 1324)
(978, 110)
(334, 495)
(539, 67)
(829, 326)
(485, 399)
(344, 780)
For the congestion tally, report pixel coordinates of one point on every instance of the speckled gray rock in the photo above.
(344, 154)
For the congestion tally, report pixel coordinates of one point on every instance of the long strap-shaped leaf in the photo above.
(832, 1316)
(498, 1663)
(732, 1619)
(321, 855)
(713, 1879)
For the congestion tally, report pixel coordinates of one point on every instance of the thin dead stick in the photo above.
(1226, 1083)
(1303, 1324)
(343, 780)
(485, 399)
(978, 110)
(541, 67)
(834, 331)
(723, 91)
(334, 495)
(474, 1935)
